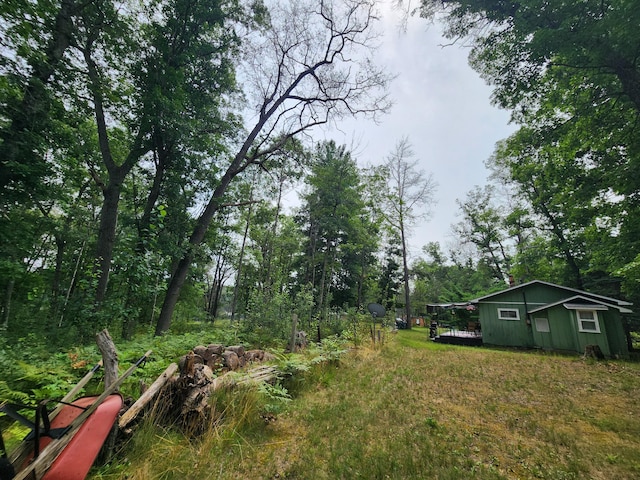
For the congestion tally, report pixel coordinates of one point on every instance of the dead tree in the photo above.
(311, 66)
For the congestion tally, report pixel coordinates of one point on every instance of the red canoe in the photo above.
(76, 459)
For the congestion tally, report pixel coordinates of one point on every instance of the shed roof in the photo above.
(464, 305)
(611, 301)
(579, 302)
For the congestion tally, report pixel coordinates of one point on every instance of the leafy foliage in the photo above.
(9, 395)
(276, 397)
(570, 76)
(336, 223)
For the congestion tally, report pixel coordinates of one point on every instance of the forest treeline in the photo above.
(147, 149)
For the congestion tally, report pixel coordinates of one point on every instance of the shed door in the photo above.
(542, 332)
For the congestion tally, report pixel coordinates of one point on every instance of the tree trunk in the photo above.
(6, 304)
(219, 278)
(57, 274)
(144, 225)
(323, 286)
(294, 330)
(182, 269)
(274, 231)
(236, 287)
(72, 283)
(564, 247)
(117, 174)
(360, 285)
(30, 118)
(405, 275)
(500, 275)
(173, 293)
(107, 236)
(628, 75)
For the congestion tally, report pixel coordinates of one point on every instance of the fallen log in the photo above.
(147, 396)
(263, 373)
(188, 402)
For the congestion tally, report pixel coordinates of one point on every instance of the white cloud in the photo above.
(443, 107)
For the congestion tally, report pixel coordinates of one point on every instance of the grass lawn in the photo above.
(418, 410)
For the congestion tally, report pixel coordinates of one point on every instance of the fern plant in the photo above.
(12, 396)
(276, 397)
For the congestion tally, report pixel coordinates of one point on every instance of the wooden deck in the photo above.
(460, 337)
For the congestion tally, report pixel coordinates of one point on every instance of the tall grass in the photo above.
(415, 409)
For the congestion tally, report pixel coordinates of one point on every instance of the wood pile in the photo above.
(184, 399)
(221, 359)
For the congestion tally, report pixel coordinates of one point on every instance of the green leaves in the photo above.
(337, 225)
(570, 75)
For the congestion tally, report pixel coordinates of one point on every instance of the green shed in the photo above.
(544, 315)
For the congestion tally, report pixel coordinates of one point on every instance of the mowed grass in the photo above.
(415, 409)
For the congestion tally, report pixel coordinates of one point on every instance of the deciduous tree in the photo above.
(407, 199)
(483, 225)
(307, 67)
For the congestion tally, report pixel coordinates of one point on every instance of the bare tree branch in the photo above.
(312, 65)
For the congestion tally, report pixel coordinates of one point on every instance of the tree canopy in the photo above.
(146, 150)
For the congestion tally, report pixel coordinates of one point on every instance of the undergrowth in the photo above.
(31, 372)
(238, 419)
(411, 409)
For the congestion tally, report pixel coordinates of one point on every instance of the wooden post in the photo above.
(109, 358)
(110, 363)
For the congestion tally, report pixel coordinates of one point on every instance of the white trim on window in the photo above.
(508, 314)
(588, 321)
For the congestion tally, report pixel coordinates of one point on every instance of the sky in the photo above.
(443, 107)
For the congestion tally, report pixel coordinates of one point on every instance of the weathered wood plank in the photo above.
(109, 358)
(147, 396)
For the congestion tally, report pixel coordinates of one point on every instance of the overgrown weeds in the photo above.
(31, 371)
(238, 423)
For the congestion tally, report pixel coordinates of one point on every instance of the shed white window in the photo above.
(588, 321)
(508, 314)
(542, 324)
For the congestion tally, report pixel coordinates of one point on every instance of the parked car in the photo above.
(401, 324)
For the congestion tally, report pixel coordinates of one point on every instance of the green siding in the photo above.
(599, 339)
(613, 324)
(563, 332)
(563, 329)
(542, 339)
(514, 333)
(535, 295)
